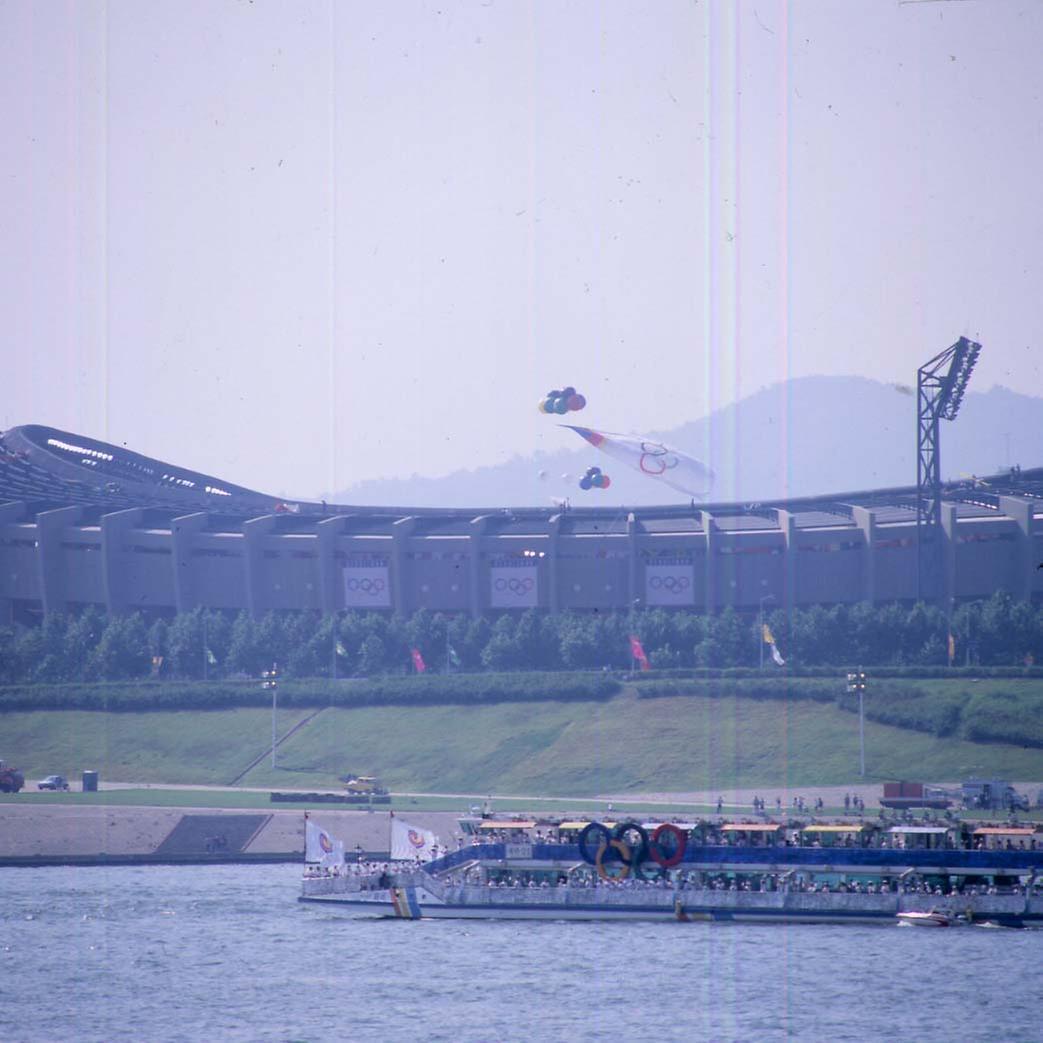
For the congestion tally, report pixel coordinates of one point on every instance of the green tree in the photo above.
(50, 651)
(580, 645)
(185, 644)
(426, 631)
(122, 653)
(503, 651)
(246, 653)
(372, 655)
(84, 633)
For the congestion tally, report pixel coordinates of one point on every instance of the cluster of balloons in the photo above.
(594, 479)
(561, 402)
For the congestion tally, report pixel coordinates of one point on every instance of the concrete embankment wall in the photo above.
(91, 834)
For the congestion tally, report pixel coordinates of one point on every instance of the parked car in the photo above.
(54, 782)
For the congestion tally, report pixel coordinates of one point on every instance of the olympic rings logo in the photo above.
(373, 587)
(656, 458)
(673, 584)
(630, 845)
(517, 587)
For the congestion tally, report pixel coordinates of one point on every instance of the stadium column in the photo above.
(948, 591)
(475, 535)
(114, 529)
(182, 533)
(865, 519)
(553, 532)
(710, 572)
(50, 560)
(1024, 565)
(12, 512)
(633, 531)
(788, 525)
(329, 589)
(400, 533)
(254, 532)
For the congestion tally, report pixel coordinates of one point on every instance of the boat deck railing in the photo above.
(760, 857)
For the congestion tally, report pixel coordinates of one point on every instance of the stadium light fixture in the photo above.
(965, 356)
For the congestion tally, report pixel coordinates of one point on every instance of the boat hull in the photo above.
(687, 907)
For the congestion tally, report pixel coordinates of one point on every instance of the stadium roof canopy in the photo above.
(47, 468)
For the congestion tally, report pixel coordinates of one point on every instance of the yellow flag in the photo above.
(769, 638)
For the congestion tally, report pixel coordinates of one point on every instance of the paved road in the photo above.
(733, 799)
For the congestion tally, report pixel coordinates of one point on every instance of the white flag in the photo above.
(320, 846)
(409, 842)
(777, 655)
(653, 459)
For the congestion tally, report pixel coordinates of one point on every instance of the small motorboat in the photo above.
(933, 918)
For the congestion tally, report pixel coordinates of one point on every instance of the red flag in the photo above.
(418, 660)
(638, 652)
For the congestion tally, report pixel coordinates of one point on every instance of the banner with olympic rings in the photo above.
(513, 587)
(367, 587)
(669, 584)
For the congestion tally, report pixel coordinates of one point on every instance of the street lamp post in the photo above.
(271, 680)
(760, 627)
(856, 682)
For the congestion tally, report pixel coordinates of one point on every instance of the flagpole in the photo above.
(760, 635)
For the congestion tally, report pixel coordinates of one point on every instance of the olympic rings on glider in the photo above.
(655, 458)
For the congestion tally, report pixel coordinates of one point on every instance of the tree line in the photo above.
(207, 643)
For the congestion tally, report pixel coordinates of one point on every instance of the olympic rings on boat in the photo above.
(622, 848)
(589, 854)
(658, 849)
(630, 844)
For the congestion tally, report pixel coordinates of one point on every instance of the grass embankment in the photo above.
(623, 744)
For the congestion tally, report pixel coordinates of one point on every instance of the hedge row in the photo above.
(1015, 717)
(782, 673)
(1008, 717)
(762, 688)
(444, 690)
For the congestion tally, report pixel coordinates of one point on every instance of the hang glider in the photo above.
(652, 458)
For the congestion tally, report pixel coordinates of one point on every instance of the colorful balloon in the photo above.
(584, 482)
(563, 401)
(605, 481)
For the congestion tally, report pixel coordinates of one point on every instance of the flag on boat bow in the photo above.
(410, 842)
(321, 846)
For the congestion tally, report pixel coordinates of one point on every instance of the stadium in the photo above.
(83, 522)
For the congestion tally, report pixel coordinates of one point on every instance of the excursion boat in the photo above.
(657, 871)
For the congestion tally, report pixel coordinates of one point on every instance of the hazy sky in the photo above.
(302, 244)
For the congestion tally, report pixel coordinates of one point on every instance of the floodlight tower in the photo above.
(940, 386)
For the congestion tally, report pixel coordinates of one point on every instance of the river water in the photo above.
(227, 953)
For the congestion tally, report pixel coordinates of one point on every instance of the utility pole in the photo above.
(333, 647)
(857, 683)
(271, 680)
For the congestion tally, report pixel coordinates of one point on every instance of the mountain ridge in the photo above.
(794, 439)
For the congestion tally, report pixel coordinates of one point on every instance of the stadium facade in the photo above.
(85, 523)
